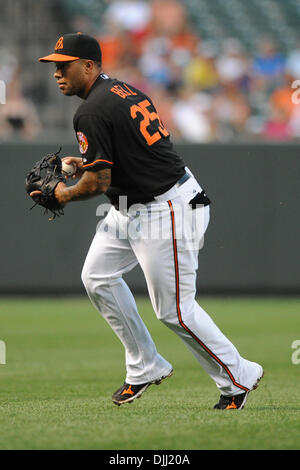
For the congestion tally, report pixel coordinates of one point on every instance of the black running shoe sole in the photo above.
(242, 406)
(142, 390)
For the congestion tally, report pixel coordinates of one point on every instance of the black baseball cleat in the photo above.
(236, 402)
(129, 392)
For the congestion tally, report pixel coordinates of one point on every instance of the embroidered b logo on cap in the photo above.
(59, 44)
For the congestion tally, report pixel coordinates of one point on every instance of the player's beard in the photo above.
(69, 90)
(72, 89)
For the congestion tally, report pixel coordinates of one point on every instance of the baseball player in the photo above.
(157, 219)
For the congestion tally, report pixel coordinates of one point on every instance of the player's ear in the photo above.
(89, 65)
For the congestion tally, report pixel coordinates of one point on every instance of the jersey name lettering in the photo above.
(123, 91)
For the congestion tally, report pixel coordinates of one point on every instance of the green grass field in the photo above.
(63, 363)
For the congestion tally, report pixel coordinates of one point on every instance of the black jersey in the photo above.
(117, 127)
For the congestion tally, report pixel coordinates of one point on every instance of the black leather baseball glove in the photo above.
(45, 176)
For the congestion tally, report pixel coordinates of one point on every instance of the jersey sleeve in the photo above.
(95, 144)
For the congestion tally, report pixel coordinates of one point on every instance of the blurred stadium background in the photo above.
(220, 70)
(220, 73)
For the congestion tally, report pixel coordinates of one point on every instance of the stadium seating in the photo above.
(216, 19)
(29, 28)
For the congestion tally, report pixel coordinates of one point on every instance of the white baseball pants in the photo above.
(164, 237)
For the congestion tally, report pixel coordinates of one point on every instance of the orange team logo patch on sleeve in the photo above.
(59, 44)
(83, 142)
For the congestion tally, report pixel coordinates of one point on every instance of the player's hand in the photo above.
(35, 196)
(77, 161)
(57, 193)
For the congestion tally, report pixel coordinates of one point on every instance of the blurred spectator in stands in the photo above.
(269, 63)
(294, 122)
(284, 115)
(277, 127)
(258, 99)
(154, 61)
(157, 63)
(191, 114)
(117, 49)
(281, 97)
(230, 111)
(267, 68)
(292, 65)
(18, 117)
(200, 71)
(167, 49)
(169, 19)
(9, 66)
(233, 64)
(131, 15)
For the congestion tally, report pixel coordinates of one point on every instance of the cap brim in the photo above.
(58, 58)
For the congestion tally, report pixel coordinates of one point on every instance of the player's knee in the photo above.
(174, 324)
(164, 305)
(95, 283)
(86, 278)
(168, 318)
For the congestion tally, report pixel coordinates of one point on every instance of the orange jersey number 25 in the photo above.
(148, 116)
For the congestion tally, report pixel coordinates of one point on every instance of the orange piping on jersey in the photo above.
(96, 161)
(178, 305)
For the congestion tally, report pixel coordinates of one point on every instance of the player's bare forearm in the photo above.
(92, 183)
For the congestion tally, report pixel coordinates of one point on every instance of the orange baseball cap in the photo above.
(74, 46)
